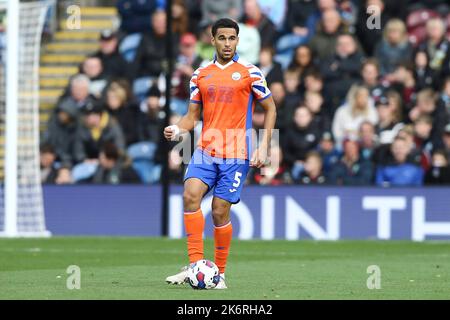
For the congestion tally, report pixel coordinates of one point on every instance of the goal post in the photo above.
(21, 198)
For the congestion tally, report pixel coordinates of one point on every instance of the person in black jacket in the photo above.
(439, 173)
(341, 70)
(114, 64)
(302, 137)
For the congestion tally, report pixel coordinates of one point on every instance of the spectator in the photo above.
(275, 10)
(151, 52)
(389, 111)
(437, 47)
(402, 80)
(214, 10)
(291, 99)
(439, 172)
(112, 168)
(187, 62)
(302, 137)
(313, 82)
(249, 43)
(342, 69)
(114, 65)
(61, 132)
(425, 77)
(315, 103)
(298, 12)
(77, 96)
(370, 74)
(151, 119)
(98, 128)
(369, 37)
(253, 16)
(135, 14)
(328, 152)
(180, 23)
(423, 140)
(399, 171)
(324, 40)
(93, 68)
(274, 174)
(444, 99)
(446, 140)
(204, 47)
(352, 169)
(302, 61)
(312, 174)
(358, 108)
(271, 69)
(121, 107)
(368, 140)
(49, 170)
(394, 48)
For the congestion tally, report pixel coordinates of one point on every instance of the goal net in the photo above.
(21, 200)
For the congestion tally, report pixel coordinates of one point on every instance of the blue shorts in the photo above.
(226, 176)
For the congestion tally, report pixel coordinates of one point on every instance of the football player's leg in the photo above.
(223, 231)
(200, 177)
(194, 222)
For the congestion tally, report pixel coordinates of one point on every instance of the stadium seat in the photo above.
(129, 45)
(148, 171)
(83, 171)
(142, 151)
(420, 17)
(141, 86)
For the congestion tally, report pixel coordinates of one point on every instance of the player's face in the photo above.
(225, 41)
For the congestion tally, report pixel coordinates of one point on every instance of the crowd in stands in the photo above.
(362, 94)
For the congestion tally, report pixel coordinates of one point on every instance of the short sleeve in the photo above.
(259, 84)
(194, 89)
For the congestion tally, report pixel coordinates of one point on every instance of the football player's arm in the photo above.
(186, 123)
(260, 156)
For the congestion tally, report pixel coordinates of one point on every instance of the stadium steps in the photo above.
(62, 56)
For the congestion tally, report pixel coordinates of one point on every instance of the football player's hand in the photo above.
(172, 132)
(259, 158)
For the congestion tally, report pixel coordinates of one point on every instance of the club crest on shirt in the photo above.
(236, 76)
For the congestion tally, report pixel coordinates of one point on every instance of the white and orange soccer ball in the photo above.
(203, 274)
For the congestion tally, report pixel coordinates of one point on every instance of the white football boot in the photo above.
(179, 278)
(221, 285)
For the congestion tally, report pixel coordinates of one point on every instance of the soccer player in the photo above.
(226, 89)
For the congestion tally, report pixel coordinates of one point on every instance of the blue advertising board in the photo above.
(283, 212)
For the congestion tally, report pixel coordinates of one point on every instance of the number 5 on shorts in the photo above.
(237, 179)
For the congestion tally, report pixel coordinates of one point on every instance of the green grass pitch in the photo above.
(135, 268)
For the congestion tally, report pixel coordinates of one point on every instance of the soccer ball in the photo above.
(203, 274)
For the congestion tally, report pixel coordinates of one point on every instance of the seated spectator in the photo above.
(180, 17)
(113, 168)
(437, 47)
(253, 16)
(422, 139)
(292, 96)
(121, 106)
(302, 61)
(324, 40)
(97, 129)
(271, 70)
(313, 81)
(394, 48)
(151, 118)
(402, 80)
(93, 68)
(151, 52)
(302, 137)
(342, 69)
(368, 140)
(446, 140)
(77, 94)
(274, 174)
(439, 172)
(114, 65)
(352, 169)
(134, 14)
(358, 108)
(61, 131)
(312, 173)
(399, 170)
(423, 74)
(370, 74)
(389, 111)
(315, 102)
(187, 62)
(49, 169)
(328, 152)
(297, 14)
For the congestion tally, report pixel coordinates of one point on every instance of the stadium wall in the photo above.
(287, 212)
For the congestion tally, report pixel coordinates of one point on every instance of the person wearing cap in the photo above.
(114, 65)
(151, 117)
(97, 128)
(389, 110)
